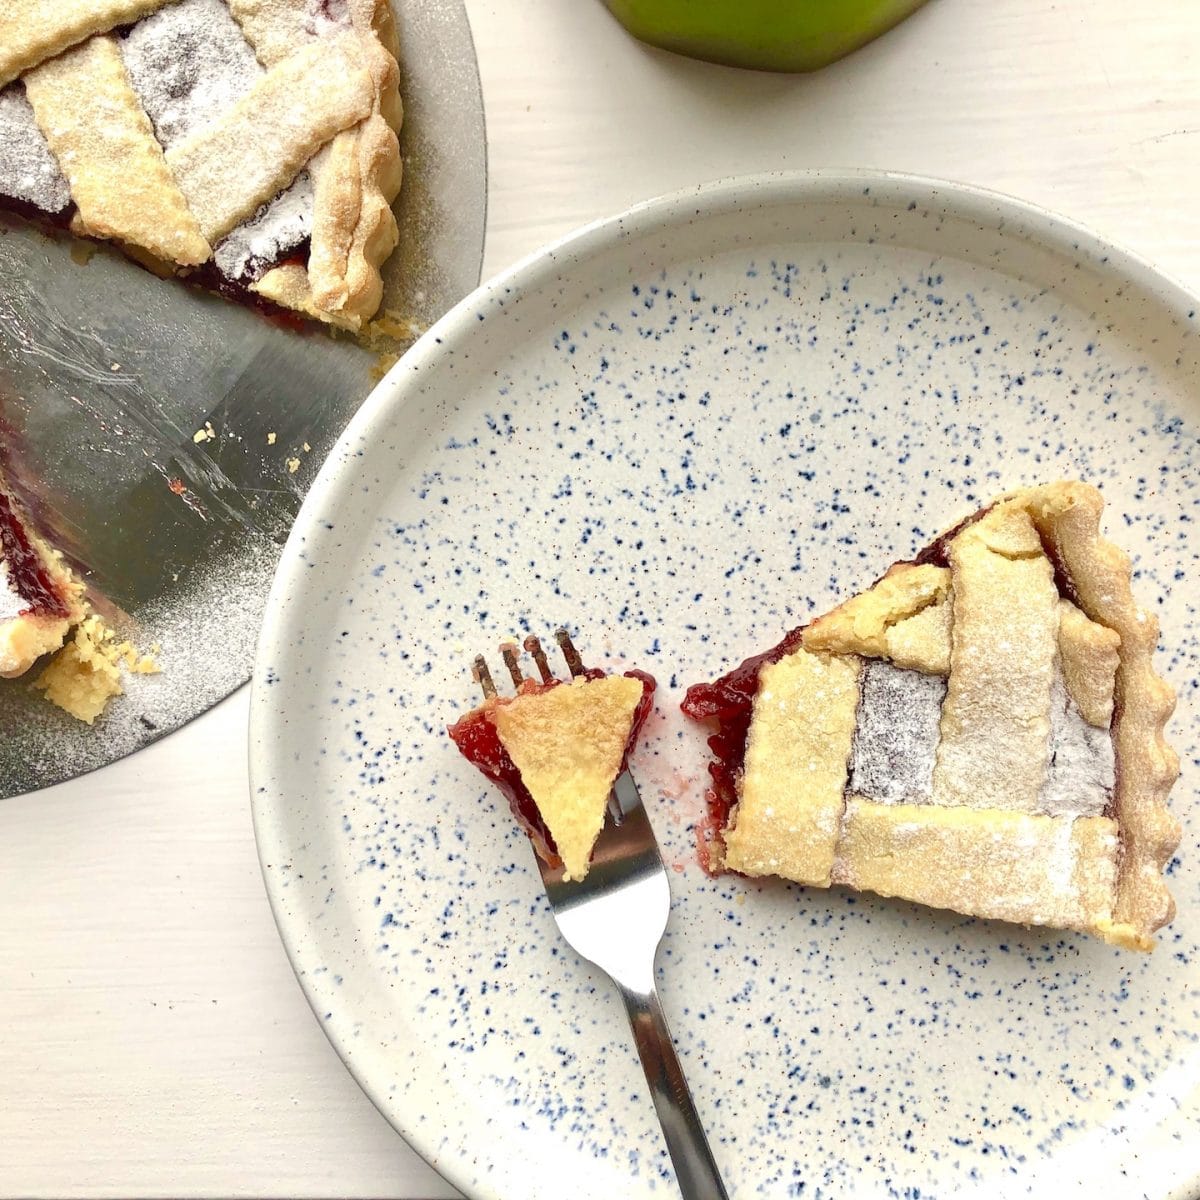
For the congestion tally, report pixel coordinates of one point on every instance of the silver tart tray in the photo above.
(164, 438)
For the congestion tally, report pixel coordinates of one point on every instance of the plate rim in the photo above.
(1048, 228)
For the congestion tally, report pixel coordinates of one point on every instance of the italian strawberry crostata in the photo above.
(981, 730)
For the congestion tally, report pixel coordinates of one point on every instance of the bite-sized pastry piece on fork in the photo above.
(558, 750)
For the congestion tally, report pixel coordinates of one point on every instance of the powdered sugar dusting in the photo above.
(273, 231)
(188, 63)
(327, 16)
(898, 730)
(12, 604)
(1080, 770)
(28, 171)
(1062, 859)
(896, 735)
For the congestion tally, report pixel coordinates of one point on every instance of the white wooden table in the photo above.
(153, 1040)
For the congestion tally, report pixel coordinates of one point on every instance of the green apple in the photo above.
(769, 35)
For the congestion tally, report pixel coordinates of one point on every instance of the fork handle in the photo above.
(695, 1169)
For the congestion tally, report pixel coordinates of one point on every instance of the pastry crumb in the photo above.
(271, 439)
(392, 326)
(86, 673)
(387, 336)
(204, 435)
(293, 465)
(382, 365)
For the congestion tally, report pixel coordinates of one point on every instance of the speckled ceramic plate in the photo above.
(680, 432)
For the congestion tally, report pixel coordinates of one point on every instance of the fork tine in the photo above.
(574, 662)
(508, 652)
(534, 647)
(482, 676)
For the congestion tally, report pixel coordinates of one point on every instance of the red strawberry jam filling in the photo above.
(27, 574)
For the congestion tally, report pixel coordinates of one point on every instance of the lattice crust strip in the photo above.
(105, 146)
(32, 31)
(222, 184)
(212, 130)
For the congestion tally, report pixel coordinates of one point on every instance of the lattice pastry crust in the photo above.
(256, 138)
(982, 730)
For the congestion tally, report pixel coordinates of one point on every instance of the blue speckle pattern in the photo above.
(680, 435)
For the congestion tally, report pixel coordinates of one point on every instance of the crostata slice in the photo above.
(981, 730)
(248, 144)
(554, 750)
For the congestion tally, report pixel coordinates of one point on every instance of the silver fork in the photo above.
(615, 918)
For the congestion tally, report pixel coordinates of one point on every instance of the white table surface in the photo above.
(154, 1041)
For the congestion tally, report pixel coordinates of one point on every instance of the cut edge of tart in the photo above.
(45, 614)
(981, 730)
(41, 600)
(249, 145)
(554, 750)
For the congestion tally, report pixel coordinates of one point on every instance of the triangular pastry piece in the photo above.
(555, 749)
(981, 730)
(249, 145)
